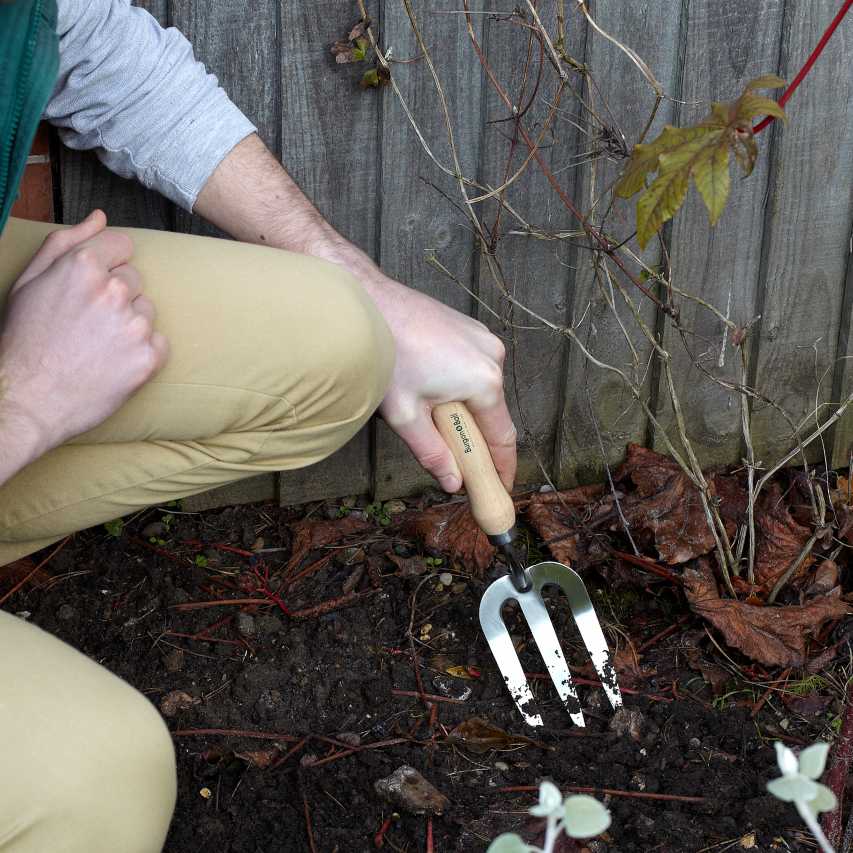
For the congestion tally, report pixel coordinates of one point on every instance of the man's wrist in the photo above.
(23, 437)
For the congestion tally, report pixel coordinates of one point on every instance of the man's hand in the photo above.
(77, 340)
(442, 355)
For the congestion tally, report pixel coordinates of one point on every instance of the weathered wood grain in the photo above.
(807, 239)
(86, 184)
(725, 47)
(239, 42)
(599, 410)
(416, 219)
(536, 270)
(330, 145)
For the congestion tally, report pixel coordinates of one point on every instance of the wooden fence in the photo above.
(781, 249)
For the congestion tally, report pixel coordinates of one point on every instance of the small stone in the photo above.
(502, 766)
(545, 489)
(66, 613)
(268, 703)
(174, 660)
(176, 700)
(628, 721)
(446, 578)
(206, 793)
(258, 544)
(350, 738)
(406, 788)
(308, 759)
(748, 841)
(638, 781)
(451, 687)
(694, 743)
(246, 625)
(155, 530)
(269, 624)
(395, 507)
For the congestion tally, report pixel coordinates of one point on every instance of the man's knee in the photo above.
(107, 785)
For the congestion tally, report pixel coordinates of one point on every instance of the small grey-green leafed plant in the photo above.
(798, 785)
(578, 816)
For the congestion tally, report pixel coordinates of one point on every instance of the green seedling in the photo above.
(577, 816)
(114, 527)
(377, 511)
(798, 785)
(434, 562)
(201, 561)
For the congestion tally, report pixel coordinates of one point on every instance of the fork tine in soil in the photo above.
(494, 511)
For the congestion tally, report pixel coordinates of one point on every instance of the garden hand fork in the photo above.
(494, 512)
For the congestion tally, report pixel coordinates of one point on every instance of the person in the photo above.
(138, 367)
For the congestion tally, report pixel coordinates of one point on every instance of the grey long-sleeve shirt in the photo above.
(134, 92)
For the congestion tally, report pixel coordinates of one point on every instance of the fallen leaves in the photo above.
(312, 535)
(175, 701)
(774, 636)
(782, 539)
(550, 515)
(479, 735)
(668, 506)
(450, 529)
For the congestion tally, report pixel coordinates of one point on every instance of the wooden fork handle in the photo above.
(491, 505)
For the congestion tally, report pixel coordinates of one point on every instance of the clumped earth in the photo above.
(286, 712)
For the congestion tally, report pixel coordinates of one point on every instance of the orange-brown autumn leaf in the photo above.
(668, 505)
(450, 529)
(773, 636)
(311, 535)
(550, 515)
(780, 539)
(479, 735)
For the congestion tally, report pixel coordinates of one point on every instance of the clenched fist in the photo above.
(77, 338)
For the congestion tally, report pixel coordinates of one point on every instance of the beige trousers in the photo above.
(276, 361)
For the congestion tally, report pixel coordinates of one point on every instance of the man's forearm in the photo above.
(252, 197)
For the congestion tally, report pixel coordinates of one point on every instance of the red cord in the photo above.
(808, 66)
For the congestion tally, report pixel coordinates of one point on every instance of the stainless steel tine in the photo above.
(503, 650)
(583, 612)
(542, 628)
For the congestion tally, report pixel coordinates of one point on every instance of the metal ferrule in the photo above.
(503, 538)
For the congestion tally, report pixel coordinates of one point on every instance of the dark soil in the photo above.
(333, 675)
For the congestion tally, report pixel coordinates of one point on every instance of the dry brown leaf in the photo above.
(668, 505)
(177, 700)
(479, 735)
(409, 567)
(774, 636)
(631, 673)
(310, 535)
(260, 758)
(780, 540)
(450, 529)
(549, 514)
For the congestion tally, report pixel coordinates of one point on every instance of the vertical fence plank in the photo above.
(725, 48)
(537, 270)
(807, 240)
(86, 184)
(330, 138)
(416, 219)
(600, 415)
(238, 41)
(842, 438)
